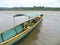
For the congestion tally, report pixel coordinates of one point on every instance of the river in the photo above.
(48, 32)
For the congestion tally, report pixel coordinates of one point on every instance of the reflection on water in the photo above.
(31, 37)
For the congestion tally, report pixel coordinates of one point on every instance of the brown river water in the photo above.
(47, 33)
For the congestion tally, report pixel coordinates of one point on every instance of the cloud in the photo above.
(29, 3)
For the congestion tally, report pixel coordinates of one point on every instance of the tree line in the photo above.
(31, 8)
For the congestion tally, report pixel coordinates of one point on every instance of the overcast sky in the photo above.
(29, 3)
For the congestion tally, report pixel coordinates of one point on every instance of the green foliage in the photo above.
(31, 8)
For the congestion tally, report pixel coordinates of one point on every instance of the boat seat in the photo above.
(19, 28)
(8, 34)
(28, 23)
(0, 38)
(28, 27)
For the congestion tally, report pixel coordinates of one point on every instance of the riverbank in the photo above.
(30, 9)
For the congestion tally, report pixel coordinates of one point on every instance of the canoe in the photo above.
(12, 35)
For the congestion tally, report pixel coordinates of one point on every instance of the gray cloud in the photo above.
(29, 3)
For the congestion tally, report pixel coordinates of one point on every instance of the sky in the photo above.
(29, 3)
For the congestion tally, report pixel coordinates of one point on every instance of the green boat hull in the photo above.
(13, 35)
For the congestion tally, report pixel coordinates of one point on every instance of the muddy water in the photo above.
(48, 32)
